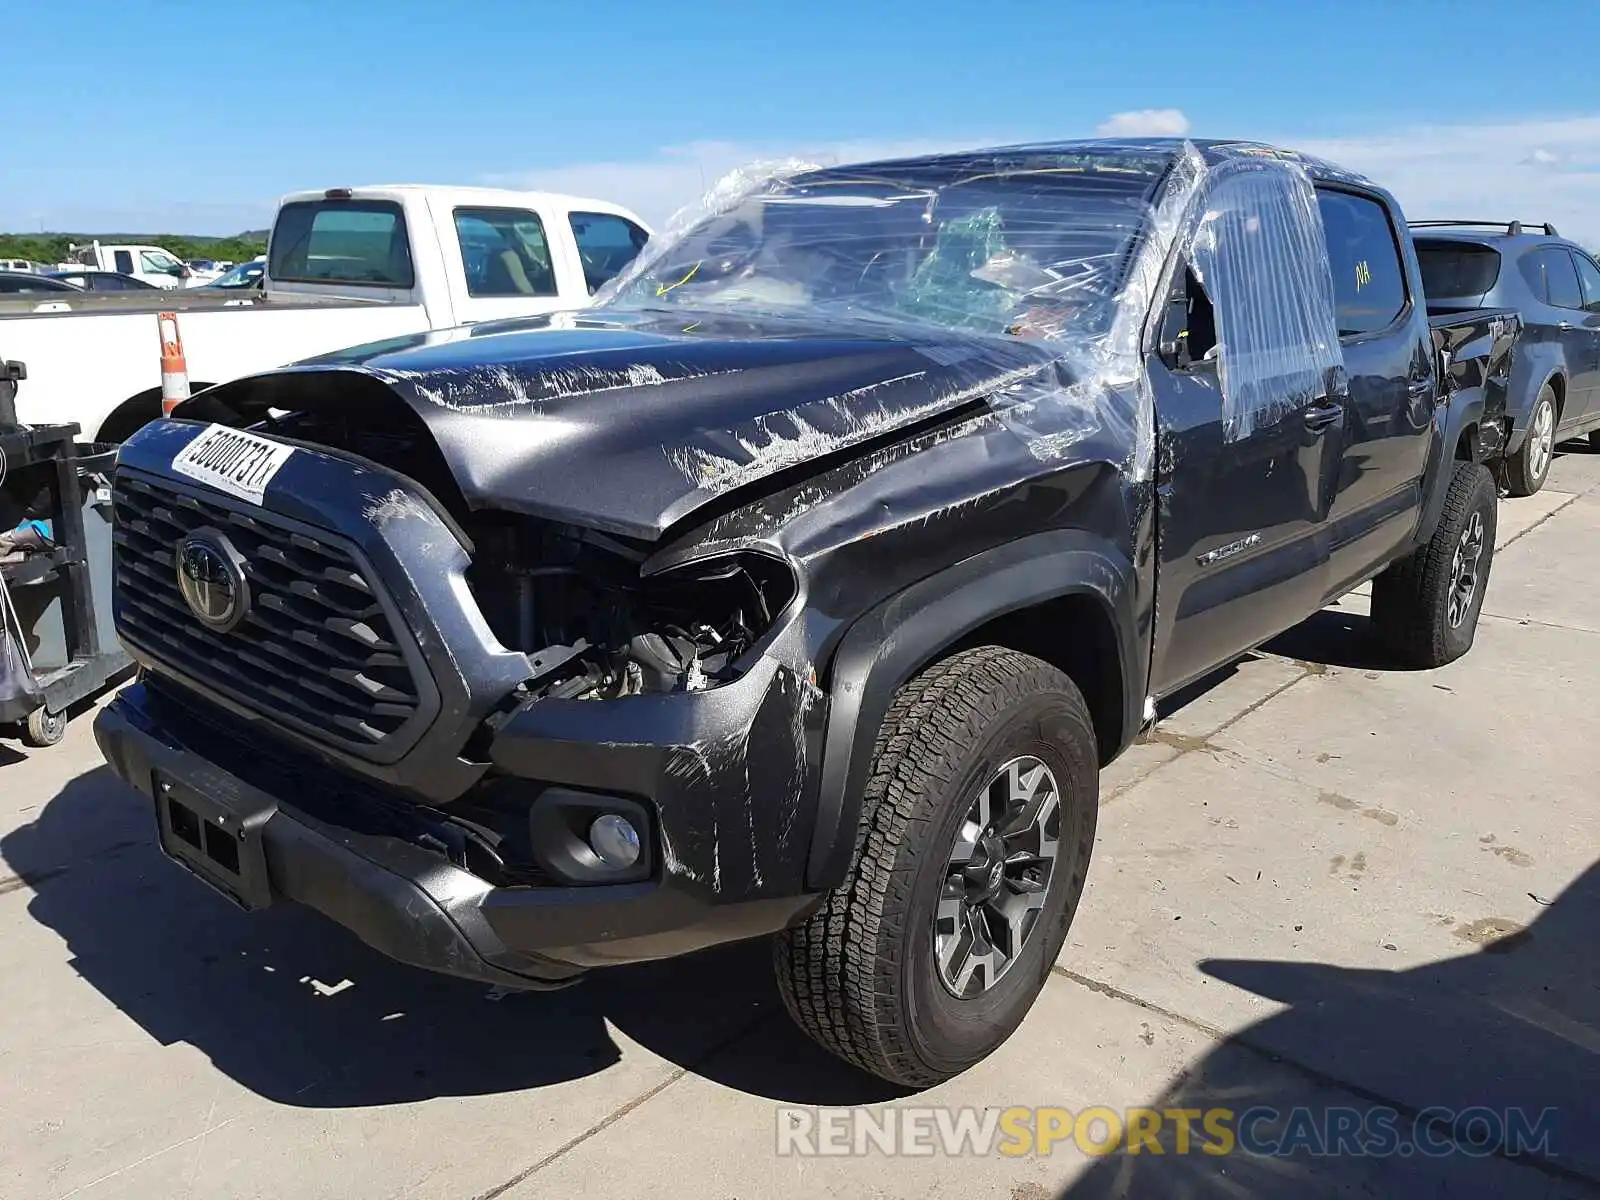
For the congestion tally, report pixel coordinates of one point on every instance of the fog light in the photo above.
(614, 840)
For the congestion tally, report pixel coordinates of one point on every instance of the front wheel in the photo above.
(1425, 607)
(976, 829)
(1529, 467)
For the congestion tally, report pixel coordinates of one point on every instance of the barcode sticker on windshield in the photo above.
(232, 461)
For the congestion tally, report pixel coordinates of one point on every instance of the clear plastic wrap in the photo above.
(1259, 251)
(1028, 274)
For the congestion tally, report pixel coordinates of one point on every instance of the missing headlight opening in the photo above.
(594, 628)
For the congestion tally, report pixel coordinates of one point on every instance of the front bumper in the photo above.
(401, 898)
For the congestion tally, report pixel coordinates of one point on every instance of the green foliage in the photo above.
(51, 248)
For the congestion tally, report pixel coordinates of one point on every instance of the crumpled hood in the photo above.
(629, 422)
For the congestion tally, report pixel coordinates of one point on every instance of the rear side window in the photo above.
(355, 242)
(606, 244)
(1531, 267)
(505, 252)
(1589, 277)
(22, 287)
(1452, 269)
(1369, 284)
(124, 262)
(1561, 278)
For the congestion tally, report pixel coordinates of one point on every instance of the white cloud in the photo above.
(1540, 169)
(1145, 122)
(1534, 170)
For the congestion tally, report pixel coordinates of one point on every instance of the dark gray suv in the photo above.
(1555, 285)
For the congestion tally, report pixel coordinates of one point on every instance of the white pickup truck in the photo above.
(344, 267)
(151, 264)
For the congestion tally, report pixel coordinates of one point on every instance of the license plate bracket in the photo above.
(216, 834)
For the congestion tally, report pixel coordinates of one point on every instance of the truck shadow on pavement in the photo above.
(1515, 1025)
(1336, 636)
(264, 996)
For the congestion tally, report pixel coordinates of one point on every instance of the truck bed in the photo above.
(176, 300)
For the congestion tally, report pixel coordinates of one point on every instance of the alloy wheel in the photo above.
(997, 876)
(1464, 570)
(1543, 438)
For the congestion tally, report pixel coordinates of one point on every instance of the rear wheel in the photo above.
(975, 834)
(1594, 439)
(1529, 467)
(1425, 607)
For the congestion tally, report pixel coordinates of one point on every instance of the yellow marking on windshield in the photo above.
(663, 289)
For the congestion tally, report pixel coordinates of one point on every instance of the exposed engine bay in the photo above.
(573, 600)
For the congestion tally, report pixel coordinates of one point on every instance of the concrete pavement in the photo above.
(1319, 882)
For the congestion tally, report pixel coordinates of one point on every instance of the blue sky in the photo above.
(194, 117)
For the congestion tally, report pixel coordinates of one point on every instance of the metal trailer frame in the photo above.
(90, 666)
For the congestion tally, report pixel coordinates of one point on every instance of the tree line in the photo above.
(50, 248)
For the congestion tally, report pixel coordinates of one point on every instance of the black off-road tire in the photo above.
(1594, 440)
(1411, 600)
(1529, 467)
(860, 975)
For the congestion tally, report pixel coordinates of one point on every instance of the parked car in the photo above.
(802, 586)
(347, 266)
(103, 281)
(250, 274)
(22, 265)
(201, 272)
(25, 283)
(1555, 285)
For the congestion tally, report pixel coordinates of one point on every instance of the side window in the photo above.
(1369, 282)
(1562, 279)
(124, 262)
(1589, 277)
(606, 244)
(1532, 268)
(505, 252)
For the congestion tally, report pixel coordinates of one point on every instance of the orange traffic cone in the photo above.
(174, 371)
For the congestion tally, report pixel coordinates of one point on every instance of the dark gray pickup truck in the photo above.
(802, 587)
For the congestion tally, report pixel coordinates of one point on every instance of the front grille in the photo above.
(316, 652)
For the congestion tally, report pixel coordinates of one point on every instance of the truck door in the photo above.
(1249, 414)
(502, 263)
(1388, 354)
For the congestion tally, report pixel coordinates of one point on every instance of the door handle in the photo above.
(1565, 326)
(1419, 387)
(1321, 416)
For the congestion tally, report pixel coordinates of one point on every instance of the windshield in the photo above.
(1038, 250)
(160, 261)
(243, 275)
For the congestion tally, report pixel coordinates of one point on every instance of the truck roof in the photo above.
(1128, 156)
(466, 195)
